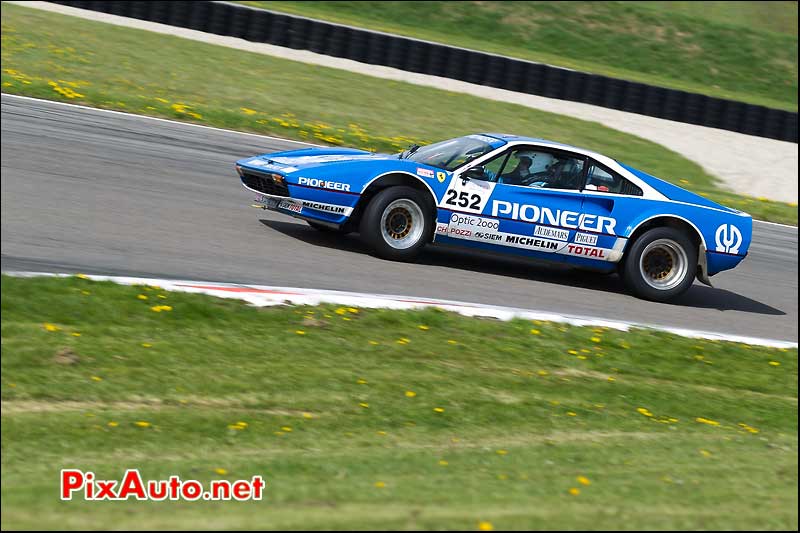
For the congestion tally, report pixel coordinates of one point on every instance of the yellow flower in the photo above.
(86, 293)
(596, 339)
(352, 310)
(220, 471)
(97, 378)
(382, 433)
(141, 296)
(380, 484)
(774, 363)
(113, 424)
(643, 411)
(143, 424)
(706, 421)
(374, 343)
(570, 413)
(362, 381)
(611, 379)
(76, 334)
(300, 332)
(247, 111)
(51, 327)
(501, 452)
(573, 352)
(485, 526)
(543, 373)
(438, 409)
(364, 405)
(583, 480)
(287, 429)
(424, 328)
(341, 311)
(159, 308)
(452, 342)
(705, 453)
(410, 394)
(574, 491)
(162, 296)
(146, 345)
(442, 462)
(308, 415)
(536, 332)
(582, 357)
(82, 276)
(242, 424)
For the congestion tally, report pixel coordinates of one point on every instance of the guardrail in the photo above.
(377, 48)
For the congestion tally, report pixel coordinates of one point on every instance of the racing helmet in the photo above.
(540, 161)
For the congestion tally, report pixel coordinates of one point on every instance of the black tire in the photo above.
(660, 264)
(327, 229)
(412, 226)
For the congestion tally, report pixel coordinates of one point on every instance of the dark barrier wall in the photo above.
(377, 48)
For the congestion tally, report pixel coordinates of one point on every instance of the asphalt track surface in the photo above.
(104, 193)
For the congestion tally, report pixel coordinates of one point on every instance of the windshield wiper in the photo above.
(410, 150)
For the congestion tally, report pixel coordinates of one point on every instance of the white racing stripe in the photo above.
(262, 296)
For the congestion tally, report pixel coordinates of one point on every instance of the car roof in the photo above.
(507, 137)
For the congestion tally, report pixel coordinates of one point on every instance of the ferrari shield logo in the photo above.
(441, 176)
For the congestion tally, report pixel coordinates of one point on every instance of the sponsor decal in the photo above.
(585, 238)
(728, 239)
(441, 228)
(424, 172)
(324, 184)
(441, 176)
(586, 251)
(290, 206)
(467, 195)
(557, 217)
(269, 202)
(551, 233)
(530, 242)
(328, 208)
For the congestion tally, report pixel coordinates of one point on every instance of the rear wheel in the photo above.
(397, 223)
(660, 265)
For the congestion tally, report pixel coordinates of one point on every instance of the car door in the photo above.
(526, 199)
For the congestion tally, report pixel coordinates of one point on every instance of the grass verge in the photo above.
(743, 51)
(64, 58)
(384, 419)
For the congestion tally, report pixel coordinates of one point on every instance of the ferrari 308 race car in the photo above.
(513, 194)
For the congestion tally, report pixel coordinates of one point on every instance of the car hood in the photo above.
(296, 160)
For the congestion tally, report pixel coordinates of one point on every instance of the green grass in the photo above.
(744, 51)
(64, 58)
(522, 417)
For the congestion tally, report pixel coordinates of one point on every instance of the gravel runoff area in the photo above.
(749, 165)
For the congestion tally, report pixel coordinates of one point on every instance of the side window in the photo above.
(542, 169)
(605, 180)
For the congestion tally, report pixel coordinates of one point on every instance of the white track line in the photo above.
(157, 119)
(263, 295)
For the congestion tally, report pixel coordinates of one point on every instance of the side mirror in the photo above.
(477, 172)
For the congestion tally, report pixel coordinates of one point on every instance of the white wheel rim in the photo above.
(402, 224)
(663, 264)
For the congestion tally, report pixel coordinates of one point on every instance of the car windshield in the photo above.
(451, 154)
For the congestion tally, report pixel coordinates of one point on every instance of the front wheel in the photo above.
(660, 265)
(396, 223)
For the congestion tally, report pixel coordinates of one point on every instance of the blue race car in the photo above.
(516, 194)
